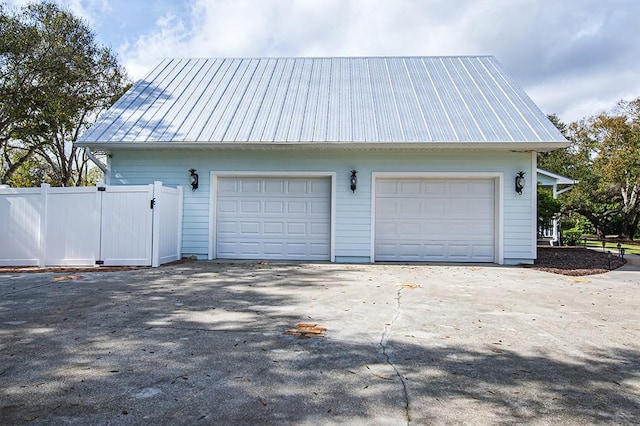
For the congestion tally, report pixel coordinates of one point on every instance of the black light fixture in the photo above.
(520, 182)
(194, 180)
(354, 180)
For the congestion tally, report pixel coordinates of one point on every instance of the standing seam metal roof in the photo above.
(288, 100)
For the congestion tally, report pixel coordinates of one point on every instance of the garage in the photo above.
(435, 220)
(287, 218)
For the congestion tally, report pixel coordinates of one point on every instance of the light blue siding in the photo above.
(352, 210)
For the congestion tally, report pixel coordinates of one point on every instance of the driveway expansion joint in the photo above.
(383, 345)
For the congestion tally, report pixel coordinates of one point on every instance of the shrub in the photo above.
(571, 237)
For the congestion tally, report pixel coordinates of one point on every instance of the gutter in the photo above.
(511, 146)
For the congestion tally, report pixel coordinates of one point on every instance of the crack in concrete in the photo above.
(383, 345)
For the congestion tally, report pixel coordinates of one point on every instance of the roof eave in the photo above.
(169, 145)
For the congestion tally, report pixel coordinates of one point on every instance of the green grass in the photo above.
(613, 246)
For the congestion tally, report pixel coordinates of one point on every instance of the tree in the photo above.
(617, 160)
(548, 208)
(604, 156)
(559, 160)
(589, 197)
(55, 80)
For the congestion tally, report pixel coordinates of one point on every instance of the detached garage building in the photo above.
(436, 144)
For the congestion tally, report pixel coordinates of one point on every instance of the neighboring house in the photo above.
(437, 143)
(557, 184)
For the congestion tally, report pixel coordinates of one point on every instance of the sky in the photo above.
(574, 58)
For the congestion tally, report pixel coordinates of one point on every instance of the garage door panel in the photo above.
(297, 207)
(247, 186)
(228, 227)
(250, 228)
(410, 250)
(320, 207)
(408, 229)
(482, 229)
(318, 250)
(320, 186)
(483, 251)
(274, 218)
(272, 249)
(411, 208)
(433, 188)
(249, 207)
(386, 209)
(319, 229)
(454, 250)
(274, 207)
(435, 220)
(409, 187)
(227, 186)
(299, 187)
(296, 229)
(276, 228)
(272, 186)
(434, 210)
(227, 206)
(250, 248)
(434, 251)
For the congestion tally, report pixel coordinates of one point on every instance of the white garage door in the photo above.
(435, 220)
(273, 218)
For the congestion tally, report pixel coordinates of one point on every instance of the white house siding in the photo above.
(352, 210)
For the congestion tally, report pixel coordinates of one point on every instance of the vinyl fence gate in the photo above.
(111, 225)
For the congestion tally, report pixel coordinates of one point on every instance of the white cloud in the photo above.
(89, 10)
(571, 57)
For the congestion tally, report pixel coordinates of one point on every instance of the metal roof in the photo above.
(373, 100)
(559, 179)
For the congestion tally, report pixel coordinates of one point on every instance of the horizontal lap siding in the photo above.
(353, 210)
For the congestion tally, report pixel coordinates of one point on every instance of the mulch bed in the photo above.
(575, 261)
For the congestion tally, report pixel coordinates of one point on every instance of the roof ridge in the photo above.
(329, 57)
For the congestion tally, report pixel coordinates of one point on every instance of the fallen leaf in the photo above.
(305, 330)
(263, 402)
(409, 285)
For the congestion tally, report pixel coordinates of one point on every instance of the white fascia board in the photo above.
(508, 146)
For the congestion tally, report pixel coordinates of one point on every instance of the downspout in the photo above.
(106, 168)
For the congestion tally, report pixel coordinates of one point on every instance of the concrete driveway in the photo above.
(204, 343)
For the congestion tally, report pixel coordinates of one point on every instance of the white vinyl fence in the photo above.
(113, 225)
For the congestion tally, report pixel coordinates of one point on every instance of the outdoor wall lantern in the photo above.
(194, 180)
(520, 182)
(354, 180)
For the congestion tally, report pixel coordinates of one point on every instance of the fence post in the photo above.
(180, 211)
(155, 239)
(44, 222)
